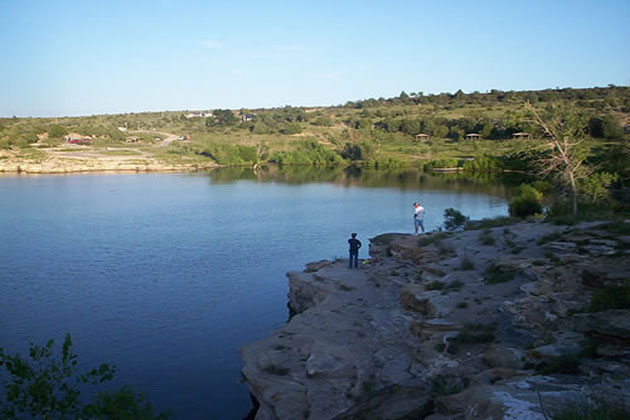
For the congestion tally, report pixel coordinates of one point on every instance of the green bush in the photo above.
(323, 121)
(611, 297)
(601, 412)
(383, 163)
(291, 128)
(486, 237)
(454, 219)
(441, 163)
(44, 386)
(466, 263)
(491, 223)
(309, 153)
(494, 274)
(568, 364)
(435, 285)
(483, 164)
(230, 155)
(526, 202)
(472, 334)
(57, 131)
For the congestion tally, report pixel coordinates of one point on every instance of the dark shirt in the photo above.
(355, 244)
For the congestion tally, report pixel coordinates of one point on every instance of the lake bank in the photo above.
(509, 322)
(78, 159)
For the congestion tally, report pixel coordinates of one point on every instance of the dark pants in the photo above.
(354, 256)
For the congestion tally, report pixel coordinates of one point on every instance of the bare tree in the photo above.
(262, 152)
(563, 136)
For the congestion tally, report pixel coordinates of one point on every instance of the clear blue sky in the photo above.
(92, 57)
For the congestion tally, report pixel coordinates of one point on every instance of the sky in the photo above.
(68, 58)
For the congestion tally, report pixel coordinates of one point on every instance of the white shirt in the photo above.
(419, 213)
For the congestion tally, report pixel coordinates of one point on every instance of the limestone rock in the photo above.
(498, 355)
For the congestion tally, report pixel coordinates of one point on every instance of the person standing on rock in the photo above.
(355, 244)
(418, 217)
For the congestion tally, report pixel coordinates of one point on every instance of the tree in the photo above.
(262, 154)
(565, 151)
(57, 131)
(454, 220)
(45, 388)
(221, 117)
(606, 127)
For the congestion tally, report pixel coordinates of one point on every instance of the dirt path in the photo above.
(169, 137)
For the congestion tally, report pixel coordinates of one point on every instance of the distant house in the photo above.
(247, 117)
(473, 136)
(123, 129)
(201, 114)
(521, 136)
(422, 137)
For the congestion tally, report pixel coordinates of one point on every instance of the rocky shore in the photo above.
(78, 159)
(527, 321)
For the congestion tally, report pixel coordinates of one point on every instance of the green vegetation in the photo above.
(440, 285)
(526, 202)
(384, 239)
(472, 334)
(599, 412)
(445, 249)
(435, 285)
(466, 263)
(494, 274)
(486, 237)
(432, 238)
(276, 370)
(618, 227)
(611, 297)
(57, 131)
(443, 385)
(568, 364)
(578, 148)
(42, 386)
(454, 220)
(492, 223)
(550, 237)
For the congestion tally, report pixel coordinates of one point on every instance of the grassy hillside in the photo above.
(372, 130)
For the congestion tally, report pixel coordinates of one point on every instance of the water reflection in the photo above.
(495, 184)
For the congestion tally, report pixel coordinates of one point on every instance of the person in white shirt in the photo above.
(418, 217)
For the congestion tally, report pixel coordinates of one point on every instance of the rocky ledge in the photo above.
(517, 322)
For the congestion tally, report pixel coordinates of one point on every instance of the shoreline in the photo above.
(444, 326)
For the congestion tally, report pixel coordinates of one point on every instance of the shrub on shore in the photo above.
(526, 202)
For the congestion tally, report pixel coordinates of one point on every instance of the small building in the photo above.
(201, 114)
(133, 139)
(422, 137)
(473, 136)
(247, 117)
(521, 136)
(123, 129)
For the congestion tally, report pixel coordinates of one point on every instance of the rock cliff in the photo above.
(517, 322)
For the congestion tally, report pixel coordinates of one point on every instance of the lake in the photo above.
(167, 275)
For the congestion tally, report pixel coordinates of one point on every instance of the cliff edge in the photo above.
(517, 322)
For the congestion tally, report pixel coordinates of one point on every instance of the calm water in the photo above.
(166, 276)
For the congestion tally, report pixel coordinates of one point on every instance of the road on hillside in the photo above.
(168, 137)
